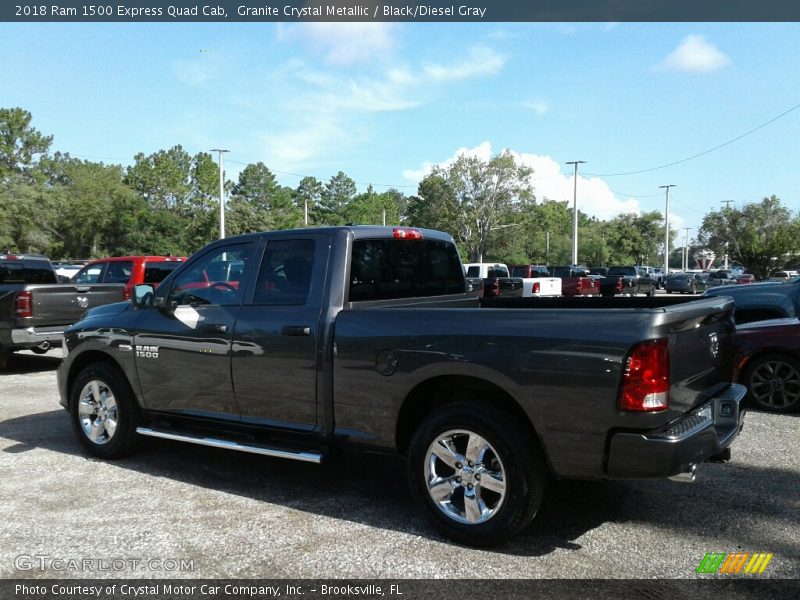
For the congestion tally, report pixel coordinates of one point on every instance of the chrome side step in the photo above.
(305, 456)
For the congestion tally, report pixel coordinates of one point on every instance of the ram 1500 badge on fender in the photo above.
(289, 343)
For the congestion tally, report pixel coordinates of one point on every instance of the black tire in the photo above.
(4, 356)
(510, 451)
(669, 291)
(652, 292)
(773, 383)
(111, 385)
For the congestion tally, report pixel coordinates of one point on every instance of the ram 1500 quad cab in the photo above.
(290, 343)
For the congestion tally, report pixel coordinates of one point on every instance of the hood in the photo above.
(107, 310)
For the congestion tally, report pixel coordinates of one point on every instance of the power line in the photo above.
(683, 160)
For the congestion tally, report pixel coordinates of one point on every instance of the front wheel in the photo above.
(774, 383)
(476, 472)
(104, 411)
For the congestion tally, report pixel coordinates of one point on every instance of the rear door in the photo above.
(183, 347)
(277, 335)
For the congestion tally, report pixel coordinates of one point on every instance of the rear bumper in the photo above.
(32, 336)
(699, 435)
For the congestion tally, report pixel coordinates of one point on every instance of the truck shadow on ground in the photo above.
(728, 501)
(21, 363)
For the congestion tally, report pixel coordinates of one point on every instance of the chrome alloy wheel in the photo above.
(97, 411)
(465, 477)
(775, 384)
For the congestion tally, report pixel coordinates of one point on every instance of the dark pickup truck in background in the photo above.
(575, 281)
(365, 336)
(627, 281)
(497, 281)
(35, 310)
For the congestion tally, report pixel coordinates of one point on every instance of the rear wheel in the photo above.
(476, 472)
(4, 356)
(774, 383)
(104, 411)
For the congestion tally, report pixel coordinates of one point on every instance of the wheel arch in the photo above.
(431, 394)
(92, 357)
(745, 363)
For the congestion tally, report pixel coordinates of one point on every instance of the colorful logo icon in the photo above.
(737, 562)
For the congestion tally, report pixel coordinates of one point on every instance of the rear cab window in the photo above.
(156, 271)
(386, 269)
(26, 271)
(118, 271)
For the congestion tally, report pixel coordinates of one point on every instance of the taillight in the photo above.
(537, 287)
(23, 305)
(493, 291)
(618, 287)
(126, 293)
(403, 233)
(645, 380)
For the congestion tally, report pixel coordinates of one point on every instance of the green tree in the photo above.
(92, 198)
(764, 236)
(369, 209)
(20, 144)
(162, 178)
(479, 198)
(308, 195)
(338, 193)
(259, 203)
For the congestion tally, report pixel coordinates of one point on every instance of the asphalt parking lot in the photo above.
(176, 510)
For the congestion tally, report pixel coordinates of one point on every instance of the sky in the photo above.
(384, 102)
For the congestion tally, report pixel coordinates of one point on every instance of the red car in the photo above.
(768, 363)
(130, 270)
(745, 278)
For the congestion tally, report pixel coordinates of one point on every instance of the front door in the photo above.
(183, 347)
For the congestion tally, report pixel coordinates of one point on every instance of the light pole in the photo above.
(221, 193)
(685, 262)
(575, 210)
(666, 230)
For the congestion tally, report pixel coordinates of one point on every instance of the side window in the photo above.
(90, 274)
(118, 272)
(285, 275)
(216, 277)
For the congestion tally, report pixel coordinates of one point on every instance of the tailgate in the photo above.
(548, 286)
(65, 303)
(701, 350)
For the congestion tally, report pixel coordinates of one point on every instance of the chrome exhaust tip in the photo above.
(686, 476)
(44, 346)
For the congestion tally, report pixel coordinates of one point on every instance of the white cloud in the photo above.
(195, 72)
(480, 61)
(595, 198)
(695, 55)
(539, 106)
(344, 43)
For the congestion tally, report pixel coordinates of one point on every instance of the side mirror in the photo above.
(143, 295)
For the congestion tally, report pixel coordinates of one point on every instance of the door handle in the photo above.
(295, 330)
(214, 328)
(83, 288)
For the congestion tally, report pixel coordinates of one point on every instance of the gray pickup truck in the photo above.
(365, 336)
(35, 310)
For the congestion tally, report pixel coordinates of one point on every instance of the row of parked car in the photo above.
(541, 281)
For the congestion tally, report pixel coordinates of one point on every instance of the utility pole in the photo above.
(575, 210)
(685, 263)
(727, 203)
(666, 230)
(221, 192)
(305, 210)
